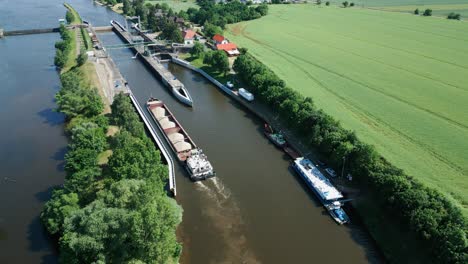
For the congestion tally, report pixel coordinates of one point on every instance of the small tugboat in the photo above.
(328, 195)
(275, 138)
(194, 160)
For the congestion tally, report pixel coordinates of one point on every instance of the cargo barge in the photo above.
(193, 159)
(328, 195)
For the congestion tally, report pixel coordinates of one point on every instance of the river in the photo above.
(255, 211)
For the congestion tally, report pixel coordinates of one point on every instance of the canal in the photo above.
(255, 211)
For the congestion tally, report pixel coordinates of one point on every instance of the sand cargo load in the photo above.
(194, 160)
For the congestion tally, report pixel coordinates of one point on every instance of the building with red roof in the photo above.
(218, 39)
(229, 48)
(189, 36)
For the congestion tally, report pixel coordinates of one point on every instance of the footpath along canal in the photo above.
(256, 210)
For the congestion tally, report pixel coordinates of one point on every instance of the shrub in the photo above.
(416, 11)
(427, 12)
(454, 16)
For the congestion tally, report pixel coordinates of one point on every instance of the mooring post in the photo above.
(1, 32)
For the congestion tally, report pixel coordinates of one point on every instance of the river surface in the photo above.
(255, 211)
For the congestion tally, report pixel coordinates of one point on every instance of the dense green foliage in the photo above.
(217, 59)
(118, 213)
(454, 16)
(75, 99)
(197, 50)
(82, 58)
(435, 220)
(63, 47)
(225, 13)
(427, 12)
(69, 17)
(377, 79)
(171, 31)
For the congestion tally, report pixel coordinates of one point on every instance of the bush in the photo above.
(345, 4)
(351, 5)
(454, 16)
(327, 3)
(427, 12)
(416, 11)
(69, 17)
(82, 58)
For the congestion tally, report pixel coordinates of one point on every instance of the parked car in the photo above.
(331, 172)
(230, 85)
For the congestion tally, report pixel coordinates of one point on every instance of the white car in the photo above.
(331, 172)
(230, 85)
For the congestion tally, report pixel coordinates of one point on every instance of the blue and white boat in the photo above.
(323, 188)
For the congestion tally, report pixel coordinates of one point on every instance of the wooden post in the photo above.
(1, 32)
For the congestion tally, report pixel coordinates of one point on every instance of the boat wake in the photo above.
(225, 215)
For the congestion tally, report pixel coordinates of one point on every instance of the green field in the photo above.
(398, 80)
(439, 7)
(176, 5)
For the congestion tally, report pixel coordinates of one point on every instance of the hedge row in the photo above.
(436, 221)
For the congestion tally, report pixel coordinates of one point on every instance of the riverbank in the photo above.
(108, 181)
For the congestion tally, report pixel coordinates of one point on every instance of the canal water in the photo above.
(255, 211)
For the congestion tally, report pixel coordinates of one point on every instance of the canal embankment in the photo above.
(134, 163)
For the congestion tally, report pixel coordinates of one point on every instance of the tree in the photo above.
(345, 4)
(416, 11)
(69, 17)
(60, 58)
(351, 5)
(88, 135)
(454, 16)
(127, 8)
(210, 30)
(217, 59)
(262, 9)
(82, 58)
(59, 207)
(171, 32)
(318, 2)
(124, 116)
(427, 12)
(327, 3)
(197, 50)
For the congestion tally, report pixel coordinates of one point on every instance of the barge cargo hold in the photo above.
(194, 160)
(327, 193)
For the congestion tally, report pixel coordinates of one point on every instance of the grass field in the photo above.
(398, 80)
(439, 7)
(176, 5)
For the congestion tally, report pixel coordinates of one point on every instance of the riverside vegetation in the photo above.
(116, 211)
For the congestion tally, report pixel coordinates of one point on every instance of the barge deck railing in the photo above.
(162, 147)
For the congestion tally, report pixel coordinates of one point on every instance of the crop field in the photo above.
(439, 7)
(398, 80)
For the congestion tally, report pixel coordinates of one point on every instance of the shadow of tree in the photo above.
(52, 117)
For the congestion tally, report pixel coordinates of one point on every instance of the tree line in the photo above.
(220, 14)
(435, 220)
(119, 212)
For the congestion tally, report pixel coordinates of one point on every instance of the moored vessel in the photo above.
(194, 160)
(328, 195)
(276, 138)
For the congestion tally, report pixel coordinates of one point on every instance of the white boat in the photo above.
(182, 95)
(246, 94)
(198, 166)
(322, 187)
